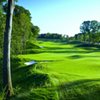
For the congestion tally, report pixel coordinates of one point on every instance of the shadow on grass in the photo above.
(88, 89)
(67, 51)
(25, 79)
(75, 42)
(88, 46)
(75, 49)
(32, 85)
(37, 94)
(75, 57)
(55, 48)
(80, 56)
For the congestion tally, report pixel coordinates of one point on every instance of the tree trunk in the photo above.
(7, 82)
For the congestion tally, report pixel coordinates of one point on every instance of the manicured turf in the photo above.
(68, 60)
(65, 71)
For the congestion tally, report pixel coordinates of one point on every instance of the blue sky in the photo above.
(61, 16)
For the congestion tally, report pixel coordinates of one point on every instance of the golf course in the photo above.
(49, 50)
(63, 71)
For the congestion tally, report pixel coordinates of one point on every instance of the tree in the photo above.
(85, 28)
(22, 32)
(35, 30)
(2, 25)
(25, 33)
(22, 28)
(94, 28)
(0, 7)
(7, 82)
(90, 28)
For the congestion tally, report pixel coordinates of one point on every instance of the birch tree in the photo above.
(7, 81)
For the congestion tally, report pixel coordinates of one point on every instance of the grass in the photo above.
(64, 71)
(68, 59)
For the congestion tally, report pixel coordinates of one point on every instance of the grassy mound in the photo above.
(31, 83)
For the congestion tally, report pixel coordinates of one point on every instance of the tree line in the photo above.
(13, 40)
(53, 36)
(89, 32)
(23, 30)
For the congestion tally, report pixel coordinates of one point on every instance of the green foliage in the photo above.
(2, 25)
(53, 37)
(35, 30)
(90, 32)
(19, 9)
(21, 27)
(1, 10)
(23, 30)
(31, 45)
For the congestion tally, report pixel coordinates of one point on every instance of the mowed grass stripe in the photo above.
(75, 61)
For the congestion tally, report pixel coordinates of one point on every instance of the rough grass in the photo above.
(80, 90)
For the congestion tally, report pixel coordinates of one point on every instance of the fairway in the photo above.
(68, 62)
